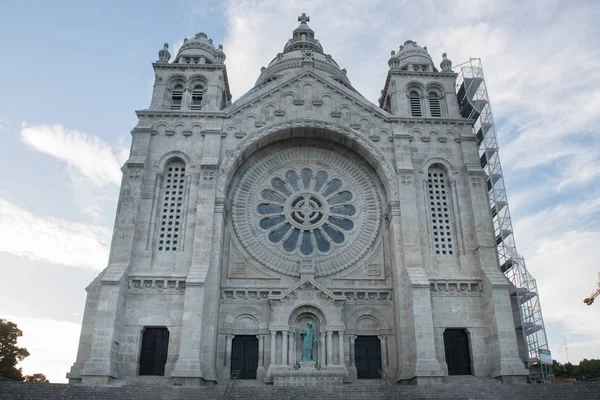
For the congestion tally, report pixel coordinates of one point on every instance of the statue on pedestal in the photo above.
(308, 340)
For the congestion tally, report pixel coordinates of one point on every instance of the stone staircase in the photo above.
(469, 389)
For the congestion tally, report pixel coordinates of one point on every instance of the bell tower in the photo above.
(196, 80)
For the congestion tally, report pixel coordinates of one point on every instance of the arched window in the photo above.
(171, 207)
(439, 211)
(434, 105)
(415, 104)
(197, 93)
(176, 97)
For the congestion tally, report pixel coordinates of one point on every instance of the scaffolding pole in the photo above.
(474, 104)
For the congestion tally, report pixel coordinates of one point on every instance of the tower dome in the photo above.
(200, 49)
(412, 57)
(300, 51)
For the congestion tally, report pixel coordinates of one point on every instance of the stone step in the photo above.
(471, 390)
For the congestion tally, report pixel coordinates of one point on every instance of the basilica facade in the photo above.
(300, 205)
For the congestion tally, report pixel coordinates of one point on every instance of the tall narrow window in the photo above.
(415, 104)
(176, 97)
(172, 207)
(153, 356)
(434, 105)
(439, 209)
(197, 97)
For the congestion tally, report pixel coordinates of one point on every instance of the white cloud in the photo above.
(52, 345)
(88, 154)
(51, 239)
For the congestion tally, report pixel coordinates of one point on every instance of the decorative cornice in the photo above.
(156, 283)
(456, 287)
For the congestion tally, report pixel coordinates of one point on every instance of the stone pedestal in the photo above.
(309, 375)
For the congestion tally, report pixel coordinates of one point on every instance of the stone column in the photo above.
(228, 346)
(261, 347)
(292, 348)
(273, 348)
(329, 348)
(341, 346)
(352, 350)
(284, 348)
(322, 350)
(384, 357)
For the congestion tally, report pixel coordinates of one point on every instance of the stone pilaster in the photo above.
(502, 350)
(416, 341)
(197, 354)
(103, 362)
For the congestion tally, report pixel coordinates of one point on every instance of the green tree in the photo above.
(10, 353)
(36, 378)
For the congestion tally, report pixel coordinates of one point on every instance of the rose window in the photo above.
(308, 211)
(306, 203)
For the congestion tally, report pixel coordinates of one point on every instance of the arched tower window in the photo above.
(197, 94)
(434, 105)
(171, 207)
(415, 104)
(176, 97)
(439, 211)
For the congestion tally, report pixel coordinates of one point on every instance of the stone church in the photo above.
(300, 204)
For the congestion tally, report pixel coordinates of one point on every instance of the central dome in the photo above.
(302, 50)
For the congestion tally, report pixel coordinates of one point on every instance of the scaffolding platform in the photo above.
(474, 104)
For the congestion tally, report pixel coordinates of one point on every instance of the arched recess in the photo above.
(245, 324)
(368, 321)
(307, 309)
(310, 129)
(447, 165)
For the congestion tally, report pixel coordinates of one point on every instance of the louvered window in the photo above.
(415, 104)
(197, 97)
(439, 209)
(171, 207)
(176, 97)
(434, 105)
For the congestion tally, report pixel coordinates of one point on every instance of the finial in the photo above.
(446, 64)
(164, 55)
(393, 53)
(303, 18)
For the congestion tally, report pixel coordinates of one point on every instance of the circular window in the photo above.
(306, 203)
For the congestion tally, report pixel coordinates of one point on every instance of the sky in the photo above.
(76, 71)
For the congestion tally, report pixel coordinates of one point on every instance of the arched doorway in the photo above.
(368, 357)
(456, 348)
(153, 355)
(244, 356)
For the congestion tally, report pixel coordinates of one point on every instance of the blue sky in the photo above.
(75, 71)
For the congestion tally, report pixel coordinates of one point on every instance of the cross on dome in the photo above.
(304, 18)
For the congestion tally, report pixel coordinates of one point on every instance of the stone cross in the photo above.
(304, 18)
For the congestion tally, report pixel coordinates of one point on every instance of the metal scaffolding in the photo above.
(474, 104)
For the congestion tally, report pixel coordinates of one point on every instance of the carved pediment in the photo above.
(310, 284)
(309, 92)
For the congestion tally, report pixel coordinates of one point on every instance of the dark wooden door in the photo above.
(244, 356)
(367, 354)
(456, 347)
(155, 347)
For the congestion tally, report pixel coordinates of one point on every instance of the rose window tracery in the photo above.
(307, 211)
(306, 203)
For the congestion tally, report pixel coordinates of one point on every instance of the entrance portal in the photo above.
(244, 356)
(153, 357)
(368, 357)
(458, 357)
